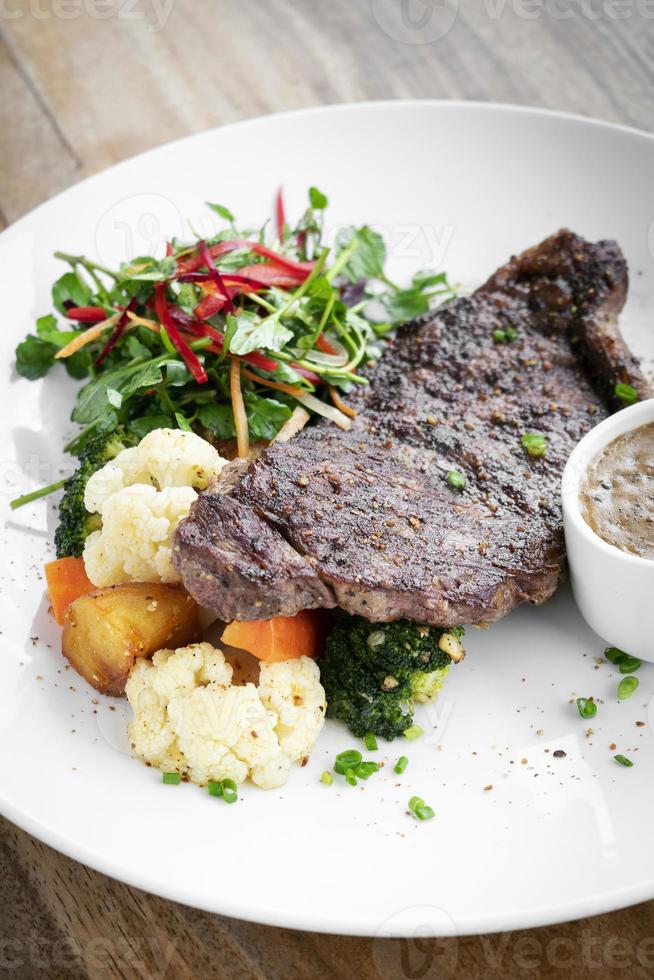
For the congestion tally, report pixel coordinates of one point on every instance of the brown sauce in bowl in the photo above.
(617, 493)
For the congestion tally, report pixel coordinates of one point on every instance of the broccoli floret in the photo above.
(373, 673)
(75, 522)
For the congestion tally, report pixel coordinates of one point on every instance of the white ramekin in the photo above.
(614, 590)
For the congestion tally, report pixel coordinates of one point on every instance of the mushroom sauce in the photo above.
(617, 493)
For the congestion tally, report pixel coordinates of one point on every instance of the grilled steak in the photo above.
(366, 519)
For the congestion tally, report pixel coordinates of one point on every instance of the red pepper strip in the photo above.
(169, 249)
(280, 213)
(323, 344)
(210, 304)
(163, 312)
(117, 332)
(270, 274)
(215, 276)
(86, 314)
(195, 261)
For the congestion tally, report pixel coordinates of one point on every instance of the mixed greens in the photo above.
(374, 673)
(227, 335)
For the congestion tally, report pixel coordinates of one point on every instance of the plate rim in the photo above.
(265, 915)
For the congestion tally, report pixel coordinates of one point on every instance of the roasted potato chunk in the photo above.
(106, 630)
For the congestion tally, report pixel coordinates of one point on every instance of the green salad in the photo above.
(230, 336)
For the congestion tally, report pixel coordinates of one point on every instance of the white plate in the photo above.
(456, 185)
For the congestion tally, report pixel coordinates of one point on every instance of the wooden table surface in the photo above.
(84, 83)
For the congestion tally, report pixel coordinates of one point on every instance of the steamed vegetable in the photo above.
(75, 521)
(189, 717)
(374, 673)
(281, 638)
(67, 580)
(106, 630)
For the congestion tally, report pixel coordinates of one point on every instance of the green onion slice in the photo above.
(401, 765)
(456, 480)
(370, 742)
(626, 393)
(414, 732)
(623, 761)
(626, 687)
(171, 778)
(346, 761)
(587, 707)
(535, 444)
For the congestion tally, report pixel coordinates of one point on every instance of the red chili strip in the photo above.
(215, 276)
(188, 356)
(323, 344)
(86, 314)
(195, 261)
(117, 332)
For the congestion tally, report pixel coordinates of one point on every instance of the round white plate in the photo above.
(459, 186)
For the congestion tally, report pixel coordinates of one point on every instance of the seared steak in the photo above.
(366, 519)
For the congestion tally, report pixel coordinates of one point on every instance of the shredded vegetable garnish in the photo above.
(227, 334)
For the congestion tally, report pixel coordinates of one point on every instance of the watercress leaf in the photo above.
(148, 423)
(70, 288)
(427, 278)
(221, 210)
(177, 374)
(266, 416)
(47, 329)
(219, 419)
(34, 357)
(404, 304)
(186, 297)
(78, 365)
(114, 398)
(253, 333)
(93, 399)
(182, 422)
(230, 330)
(367, 259)
(317, 199)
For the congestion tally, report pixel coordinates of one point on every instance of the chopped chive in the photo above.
(412, 733)
(626, 687)
(350, 777)
(535, 444)
(415, 802)
(499, 336)
(370, 742)
(401, 765)
(626, 393)
(29, 498)
(365, 769)
(587, 707)
(623, 761)
(230, 791)
(630, 664)
(456, 479)
(326, 778)
(345, 761)
(171, 778)
(424, 812)
(214, 788)
(614, 655)
(511, 333)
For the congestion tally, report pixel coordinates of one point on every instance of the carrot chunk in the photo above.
(281, 638)
(67, 580)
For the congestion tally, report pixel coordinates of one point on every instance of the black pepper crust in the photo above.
(366, 520)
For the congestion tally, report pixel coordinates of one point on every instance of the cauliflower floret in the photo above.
(136, 539)
(189, 718)
(293, 692)
(163, 458)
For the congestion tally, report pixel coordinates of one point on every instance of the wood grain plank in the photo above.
(35, 161)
